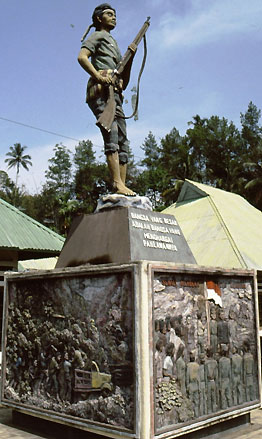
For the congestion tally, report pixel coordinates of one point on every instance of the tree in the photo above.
(8, 190)
(217, 149)
(151, 180)
(252, 139)
(178, 162)
(17, 158)
(58, 176)
(58, 188)
(251, 130)
(91, 179)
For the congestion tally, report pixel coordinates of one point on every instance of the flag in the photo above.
(214, 292)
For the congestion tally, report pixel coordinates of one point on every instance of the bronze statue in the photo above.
(109, 75)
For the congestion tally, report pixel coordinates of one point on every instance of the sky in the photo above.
(204, 57)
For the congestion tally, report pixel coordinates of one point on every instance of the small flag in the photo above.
(214, 292)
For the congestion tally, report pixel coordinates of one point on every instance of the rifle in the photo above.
(107, 117)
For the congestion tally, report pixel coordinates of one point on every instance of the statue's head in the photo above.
(99, 11)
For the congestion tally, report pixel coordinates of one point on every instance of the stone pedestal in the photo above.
(124, 350)
(125, 234)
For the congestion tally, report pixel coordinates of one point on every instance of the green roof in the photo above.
(221, 228)
(21, 233)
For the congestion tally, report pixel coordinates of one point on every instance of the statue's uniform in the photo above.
(105, 57)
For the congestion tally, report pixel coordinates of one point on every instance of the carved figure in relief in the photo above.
(53, 372)
(168, 361)
(222, 329)
(201, 332)
(157, 329)
(178, 324)
(213, 329)
(16, 372)
(248, 372)
(232, 325)
(181, 369)
(159, 360)
(193, 383)
(237, 376)
(202, 387)
(189, 335)
(211, 377)
(162, 328)
(174, 337)
(65, 379)
(224, 372)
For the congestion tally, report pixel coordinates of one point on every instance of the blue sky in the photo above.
(204, 57)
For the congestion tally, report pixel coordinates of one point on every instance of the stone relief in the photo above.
(204, 346)
(70, 347)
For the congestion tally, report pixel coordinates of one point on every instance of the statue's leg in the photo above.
(114, 169)
(123, 169)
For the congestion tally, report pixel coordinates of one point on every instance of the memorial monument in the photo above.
(124, 338)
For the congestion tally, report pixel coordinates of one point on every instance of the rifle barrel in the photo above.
(121, 66)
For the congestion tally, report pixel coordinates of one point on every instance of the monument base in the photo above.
(217, 431)
(115, 349)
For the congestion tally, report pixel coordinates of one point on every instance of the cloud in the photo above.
(209, 21)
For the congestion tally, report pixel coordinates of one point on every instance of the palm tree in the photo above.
(17, 158)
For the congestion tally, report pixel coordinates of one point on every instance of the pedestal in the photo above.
(124, 235)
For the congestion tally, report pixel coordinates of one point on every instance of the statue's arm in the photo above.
(85, 63)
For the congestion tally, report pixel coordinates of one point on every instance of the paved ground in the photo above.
(8, 430)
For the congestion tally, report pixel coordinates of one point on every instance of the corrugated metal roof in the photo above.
(20, 232)
(221, 228)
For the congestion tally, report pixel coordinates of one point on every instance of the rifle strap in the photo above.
(138, 80)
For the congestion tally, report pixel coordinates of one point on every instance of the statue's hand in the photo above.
(103, 79)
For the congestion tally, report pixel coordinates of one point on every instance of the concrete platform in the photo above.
(9, 430)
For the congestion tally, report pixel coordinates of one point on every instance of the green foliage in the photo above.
(91, 179)
(58, 175)
(17, 158)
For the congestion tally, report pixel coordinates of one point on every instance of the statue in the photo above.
(107, 80)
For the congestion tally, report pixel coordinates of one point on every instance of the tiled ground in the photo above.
(9, 431)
